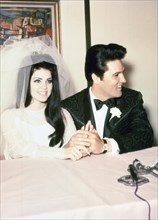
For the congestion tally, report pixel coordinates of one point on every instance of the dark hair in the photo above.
(53, 109)
(98, 55)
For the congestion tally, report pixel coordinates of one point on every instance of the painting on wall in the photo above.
(26, 19)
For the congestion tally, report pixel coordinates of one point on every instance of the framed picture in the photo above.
(26, 19)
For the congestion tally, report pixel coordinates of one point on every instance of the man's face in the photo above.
(111, 84)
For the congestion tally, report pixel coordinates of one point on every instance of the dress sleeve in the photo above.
(19, 146)
(70, 128)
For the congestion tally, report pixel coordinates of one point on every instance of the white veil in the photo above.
(17, 56)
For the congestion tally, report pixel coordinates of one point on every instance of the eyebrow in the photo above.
(116, 73)
(40, 78)
(119, 72)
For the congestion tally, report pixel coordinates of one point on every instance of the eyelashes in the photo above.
(50, 81)
(39, 81)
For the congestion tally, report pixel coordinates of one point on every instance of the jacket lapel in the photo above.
(106, 131)
(88, 112)
(121, 105)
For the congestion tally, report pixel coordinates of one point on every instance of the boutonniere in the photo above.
(115, 112)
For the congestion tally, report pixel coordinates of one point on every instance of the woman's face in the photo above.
(40, 86)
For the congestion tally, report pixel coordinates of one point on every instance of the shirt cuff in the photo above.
(115, 147)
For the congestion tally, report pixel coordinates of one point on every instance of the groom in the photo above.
(116, 112)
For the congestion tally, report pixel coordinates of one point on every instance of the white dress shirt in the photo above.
(100, 116)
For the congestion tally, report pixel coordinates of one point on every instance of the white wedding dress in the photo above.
(25, 134)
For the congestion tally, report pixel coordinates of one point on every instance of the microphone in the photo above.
(133, 173)
(133, 179)
(137, 165)
(142, 169)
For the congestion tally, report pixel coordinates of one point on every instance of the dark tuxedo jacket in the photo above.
(132, 130)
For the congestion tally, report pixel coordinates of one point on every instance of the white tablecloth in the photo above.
(84, 189)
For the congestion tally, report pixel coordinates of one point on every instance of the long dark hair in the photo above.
(53, 109)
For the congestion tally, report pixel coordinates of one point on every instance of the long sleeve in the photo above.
(133, 131)
(22, 139)
(70, 128)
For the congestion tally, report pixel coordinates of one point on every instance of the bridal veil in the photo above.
(17, 56)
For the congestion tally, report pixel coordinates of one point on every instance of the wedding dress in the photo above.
(25, 134)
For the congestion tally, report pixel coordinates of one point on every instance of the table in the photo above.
(84, 189)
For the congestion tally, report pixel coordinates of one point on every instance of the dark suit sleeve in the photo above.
(79, 107)
(133, 132)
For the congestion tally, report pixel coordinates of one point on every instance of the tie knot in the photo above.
(99, 103)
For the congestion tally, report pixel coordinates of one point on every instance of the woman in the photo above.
(40, 128)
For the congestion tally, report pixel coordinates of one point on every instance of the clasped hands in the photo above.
(83, 143)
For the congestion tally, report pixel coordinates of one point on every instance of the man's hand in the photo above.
(95, 142)
(84, 142)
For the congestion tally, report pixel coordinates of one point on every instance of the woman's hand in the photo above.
(74, 153)
(77, 146)
(85, 141)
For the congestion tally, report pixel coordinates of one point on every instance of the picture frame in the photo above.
(25, 19)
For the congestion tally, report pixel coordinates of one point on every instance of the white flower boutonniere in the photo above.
(115, 112)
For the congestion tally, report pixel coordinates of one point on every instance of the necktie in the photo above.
(99, 103)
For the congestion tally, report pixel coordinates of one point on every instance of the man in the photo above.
(116, 112)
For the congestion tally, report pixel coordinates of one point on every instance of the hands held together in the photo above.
(83, 143)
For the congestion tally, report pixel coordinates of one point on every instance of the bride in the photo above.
(34, 80)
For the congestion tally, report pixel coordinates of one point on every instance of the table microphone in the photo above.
(137, 164)
(142, 169)
(133, 173)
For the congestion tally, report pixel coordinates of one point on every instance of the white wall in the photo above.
(73, 41)
(130, 23)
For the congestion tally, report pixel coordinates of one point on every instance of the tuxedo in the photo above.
(131, 130)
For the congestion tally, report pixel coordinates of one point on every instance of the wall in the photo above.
(130, 23)
(73, 41)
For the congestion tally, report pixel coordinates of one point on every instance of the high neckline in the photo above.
(35, 117)
(35, 110)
